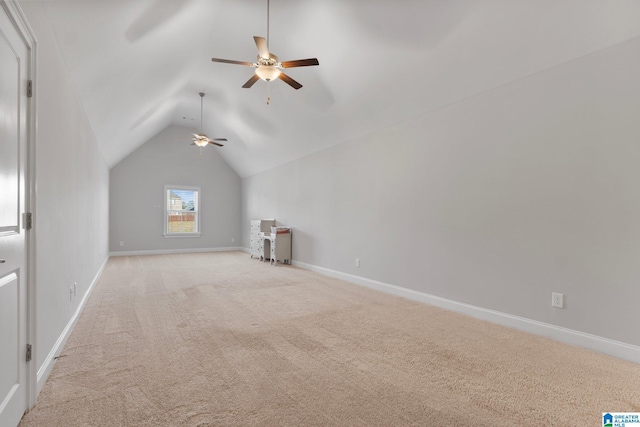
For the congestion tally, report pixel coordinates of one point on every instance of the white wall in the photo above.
(496, 201)
(72, 180)
(137, 195)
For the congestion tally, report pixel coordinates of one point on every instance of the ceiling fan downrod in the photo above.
(201, 108)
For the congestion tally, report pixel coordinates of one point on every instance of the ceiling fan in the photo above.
(268, 66)
(200, 139)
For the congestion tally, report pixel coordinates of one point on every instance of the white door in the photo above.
(14, 57)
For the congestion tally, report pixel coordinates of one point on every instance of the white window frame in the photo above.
(198, 203)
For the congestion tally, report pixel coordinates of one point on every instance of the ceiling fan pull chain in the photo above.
(268, 93)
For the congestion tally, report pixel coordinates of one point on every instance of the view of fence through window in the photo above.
(182, 211)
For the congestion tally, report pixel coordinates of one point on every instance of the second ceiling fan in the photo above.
(200, 139)
(268, 66)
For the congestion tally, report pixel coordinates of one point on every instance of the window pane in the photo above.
(182, 210)
(182, 222)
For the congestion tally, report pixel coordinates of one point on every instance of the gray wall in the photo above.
(496, 201)
(137, 195)
(72, 196)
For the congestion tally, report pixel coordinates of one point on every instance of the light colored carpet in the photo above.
(220, 339)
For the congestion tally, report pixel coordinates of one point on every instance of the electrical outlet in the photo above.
(233, 240)
(75, 288)
(70, 293)
(121, 242)
(357, 262)
(557, 300)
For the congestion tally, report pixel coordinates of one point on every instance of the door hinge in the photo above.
(28, 352)
(28, 220)
(29, 88)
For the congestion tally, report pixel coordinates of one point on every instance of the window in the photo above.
(182, 214)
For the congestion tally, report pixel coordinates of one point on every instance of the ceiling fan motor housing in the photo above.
(271, 61)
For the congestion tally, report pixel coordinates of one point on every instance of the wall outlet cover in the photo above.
(557, 300)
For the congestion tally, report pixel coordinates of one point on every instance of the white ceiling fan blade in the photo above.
(261, 44)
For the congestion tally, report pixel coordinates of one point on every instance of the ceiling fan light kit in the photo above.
(267, 72)
(200, 140)
(268, 66)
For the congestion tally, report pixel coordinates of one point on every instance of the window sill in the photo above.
(179, 235)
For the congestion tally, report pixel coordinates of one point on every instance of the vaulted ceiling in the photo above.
(138, 65)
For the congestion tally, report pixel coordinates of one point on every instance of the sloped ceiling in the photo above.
(138, 65)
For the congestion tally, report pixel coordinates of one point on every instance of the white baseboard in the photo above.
(569, 336)
(175, 251)
(45, 369)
